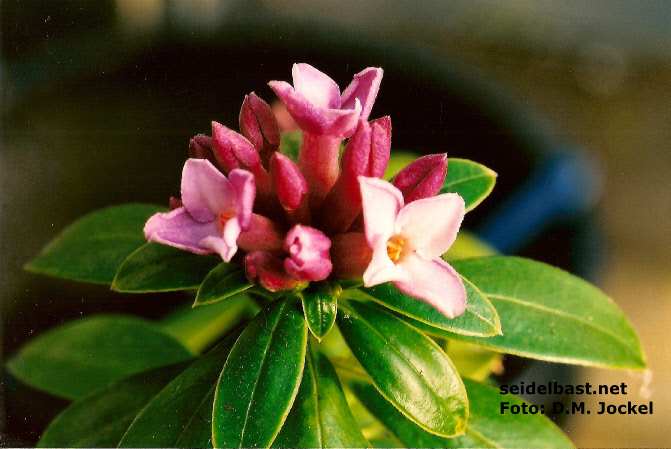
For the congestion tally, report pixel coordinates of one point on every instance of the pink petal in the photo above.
(244, 189)
(429, 226)
(364, 87)
(382, 269)
(381, 203)
(435, 282)
(180, 230)
(317, 87)
(308, 250)
(206, 192)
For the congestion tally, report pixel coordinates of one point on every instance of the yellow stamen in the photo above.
(394, 247)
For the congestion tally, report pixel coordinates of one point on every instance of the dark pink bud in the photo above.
(289, 181)
(233, 150)
(350, 255)
(263, 234)
(422, 178)
(200, 147)
(259, 125)
(267, 270)
(366, 154)
(308, 250)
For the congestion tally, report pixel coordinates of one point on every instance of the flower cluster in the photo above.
(323, 215)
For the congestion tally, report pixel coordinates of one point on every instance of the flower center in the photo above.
(223, 218)
(394, 247)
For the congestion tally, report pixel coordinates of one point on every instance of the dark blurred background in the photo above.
(99, 100)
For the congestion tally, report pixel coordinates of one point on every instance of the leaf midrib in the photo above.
(434, 393)
(462, 180)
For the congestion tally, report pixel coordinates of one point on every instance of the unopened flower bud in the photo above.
(259, 125)
(267, 270)
(366, 154)
(422, 178)
(308, 250)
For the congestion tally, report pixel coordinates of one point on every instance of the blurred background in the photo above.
(570, 102)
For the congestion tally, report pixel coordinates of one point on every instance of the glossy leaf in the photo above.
(320, 304)
(320, 416)
(101, 418)
(552, 315)
(160, 268)
(486, 427)
(407, 367)
(166, 418)
(480, 317)
(468, 245)
(473, 181)
(82, 355)
(225, 280)
(260, 379)
(92, 248)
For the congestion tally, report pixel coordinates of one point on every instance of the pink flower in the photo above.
(326, 118)
(315, 102)
(308, 260)
(215, 211)
(308, 250)
(407, 242)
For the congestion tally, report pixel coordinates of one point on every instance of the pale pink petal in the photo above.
(382, 269)
(309, 117)
(308, 250)
(435, 282)
(180, 230)
(317, 87)
(364, 87)
(244, 189)
(381, 203)
(206, 192)
(429, 226)
(219, 245)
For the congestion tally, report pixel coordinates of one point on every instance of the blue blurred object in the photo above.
(563, 185)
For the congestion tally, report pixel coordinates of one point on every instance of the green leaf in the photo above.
(82, 355)
(160, 268)
(320, 304)
(225, 280)
(397, 162)
(468, 245)
(480, 317)
(320, 416)
(260, 379)
(486, 427)
(290, 144)
(407, 367)
(173, 413)
(473, 181)
(92, 248)
(549, 314)
(101, 418)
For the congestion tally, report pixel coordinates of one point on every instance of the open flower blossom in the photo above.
(326, 117)
(407, 242)
(215, 211)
